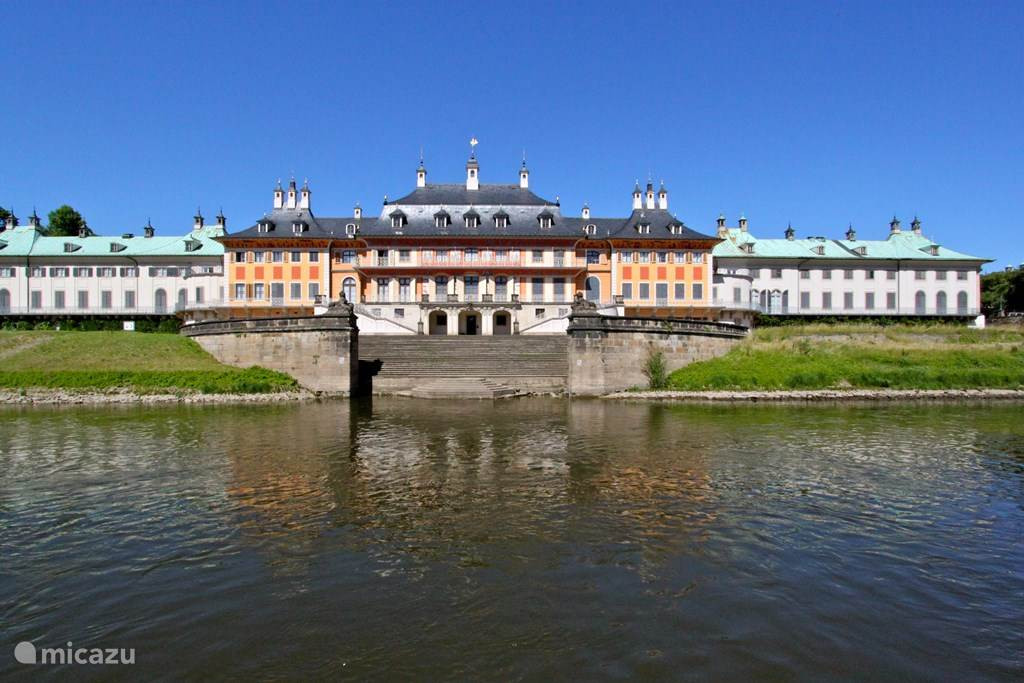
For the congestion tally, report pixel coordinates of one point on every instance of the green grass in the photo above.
(145, 363)
(863, 357)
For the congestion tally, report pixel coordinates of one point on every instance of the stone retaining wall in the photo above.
(608, 354)
(321, 352)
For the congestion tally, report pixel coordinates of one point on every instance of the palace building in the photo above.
(469, 258)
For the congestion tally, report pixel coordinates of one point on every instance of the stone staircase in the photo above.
(467, 366)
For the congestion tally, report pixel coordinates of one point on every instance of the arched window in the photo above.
(348, 288)
(5, 301)
(182, 298)
(920, 303)
(940, 303)
(961, 303)
(592, 289)
(160, 301)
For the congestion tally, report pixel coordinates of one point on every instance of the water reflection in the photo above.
(530, 538)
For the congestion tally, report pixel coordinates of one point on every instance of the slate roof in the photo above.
(455, 194)
(27, 241)
(902, 246)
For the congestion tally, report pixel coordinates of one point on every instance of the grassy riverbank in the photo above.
(124, 361)
(863, 357)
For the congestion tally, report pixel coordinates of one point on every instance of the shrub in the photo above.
(655, 370)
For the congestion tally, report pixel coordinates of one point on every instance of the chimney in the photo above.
(293, 199)
(83, 231)
(851, 234)
(198, 225)
(637, 197)
(278, 196)
(721, 221)
(472, 173)
(34, 221)
(894, 226)
(222, 222)
(915, 226)
(524, 176)
(304, 195)
(12, 221)
(421, 175)
(357, 212)
(586, 212)
(663, 197)
(790, 232)
(743, 223)
(148, 230)
(650, 195)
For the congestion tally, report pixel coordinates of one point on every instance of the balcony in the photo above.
(460, 261)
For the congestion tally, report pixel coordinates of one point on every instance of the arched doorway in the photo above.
(348, 289)
(940, 303)
(160, 301)
(961, 303)
(469, 323)
(182, 298)
(592, 289)
(502, 322)
(437, 323)
(5, 301)
(920, 303)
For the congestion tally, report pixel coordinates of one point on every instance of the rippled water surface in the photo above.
(531, 539)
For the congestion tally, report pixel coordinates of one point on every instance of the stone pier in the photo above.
(320, 351)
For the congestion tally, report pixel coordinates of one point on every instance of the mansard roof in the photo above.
(659, 221)
(897, 246)
(28, 241)
(458, 195)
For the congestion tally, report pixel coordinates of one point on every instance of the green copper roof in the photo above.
(902, 246)
(27, 241)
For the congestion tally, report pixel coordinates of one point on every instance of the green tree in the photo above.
(4, 213)
(65, 222)
(1002, 292)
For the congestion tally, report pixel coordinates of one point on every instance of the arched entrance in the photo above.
(5, 301)
(160, 301)
(437, 323)
(502, 322)
(348, 288)
(592, 289)
(469, 323)
(182, 298)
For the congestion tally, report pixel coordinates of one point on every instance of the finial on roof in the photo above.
(199, 212)
(279, 183)
(636, 188)
(524, 157)
(421, 156)
(473, 142)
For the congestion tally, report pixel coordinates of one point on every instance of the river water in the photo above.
(520, 539)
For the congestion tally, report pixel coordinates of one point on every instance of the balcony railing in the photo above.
(454, 259)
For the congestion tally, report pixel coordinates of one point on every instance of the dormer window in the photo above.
(590, 229)
(934, 249)
(819, 250)
(265, 226)
(861, 251)
(501, 220)
(299, 227)
(748, 247)
(116, 247)
(193, 245)
(350, 229)
(398, 219)
(675, 228)
(442, 219)
(643, 228)
(70, 247)
(546, 219)
(472, 219)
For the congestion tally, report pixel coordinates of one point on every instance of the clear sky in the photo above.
(820, 114)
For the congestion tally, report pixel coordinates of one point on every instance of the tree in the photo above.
(4, 213)
(65, 222)
(1002, 292)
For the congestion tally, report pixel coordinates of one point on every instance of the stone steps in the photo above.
(461, 387)
(466, 357)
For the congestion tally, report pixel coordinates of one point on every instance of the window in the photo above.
(238, 256)
(644, 256)
(37, 271)
(940, 302)
(441, 287)
(404, 290)
(500, 288)
(940, 275)
(350, 228)
(348, 288)
(755, 273)
(199, 295)
(776, 273)
(961, 275)
(890, 275)
(82, 272)
(276, 293)
(314, 257)
(129, 299)
(538, 313)
(537, 256)
(662, 257)
(593, 256)
(58, 272)
(472, 219)
(314, 290)
(383, 257)
(847, 274)
(661, 293)
(558, 285)
(826, 275)
(259, 291)
(680, 291)
(83, 299)
(805, 275)
(295, 290)
(848, 300)
(295, 257)
(500, 255)
(130, 272)
(257, 257)
(277, 256)
(680, 257)
(890, 300)
(383, 287)
(58, 299)
(826, 301)
(805, 299)
(348, 256)
(698, 291)
(920, 275)
(106, 299)
(537, 288)
(592, 289)
(920, 303)
(627, 290)
(6, 272)
(559, 256)
(397, 219)
(404, 255)
(698, 257)
(961, 303)
(106, 271)
(627, 257)
(399, 312)
(472, 255)
(239, 291)
(869, 301)
(36, 299)
(590, 229)
(869, 275)
(645, 291)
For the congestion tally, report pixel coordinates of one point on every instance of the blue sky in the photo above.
(820, 114)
